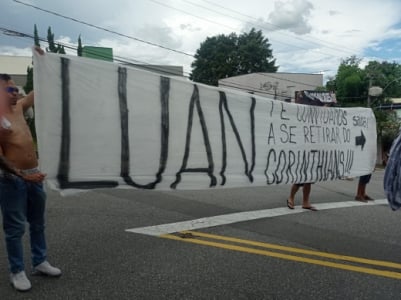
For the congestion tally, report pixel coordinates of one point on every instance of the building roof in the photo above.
(14, 65)
(281, 86)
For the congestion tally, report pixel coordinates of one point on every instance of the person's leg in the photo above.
(291, 198)
(363, 189)
(305, 194)
(13, 207)
(360, 192)
(36, 220)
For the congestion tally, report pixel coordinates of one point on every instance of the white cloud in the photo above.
(13, 51)
(292, 15)
(189, 27)
(306, 35)
(162, 35)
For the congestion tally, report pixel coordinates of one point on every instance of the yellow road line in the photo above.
(389, 274)
(298, 250)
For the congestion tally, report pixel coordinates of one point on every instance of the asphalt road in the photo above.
(340, 252)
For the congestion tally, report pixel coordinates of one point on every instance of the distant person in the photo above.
(306, 187)
(361, 191)
(385, 158)
(22, 197)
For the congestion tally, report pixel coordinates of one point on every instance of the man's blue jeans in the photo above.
(22, 202)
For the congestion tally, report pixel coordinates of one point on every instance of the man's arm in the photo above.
(27, 101)
(7, 167)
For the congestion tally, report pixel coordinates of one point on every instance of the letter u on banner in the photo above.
(125, 149)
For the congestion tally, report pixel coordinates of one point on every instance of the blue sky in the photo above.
(388, 48)
(307, 36)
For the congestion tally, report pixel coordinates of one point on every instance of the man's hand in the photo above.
(36, 177)
(39, 50)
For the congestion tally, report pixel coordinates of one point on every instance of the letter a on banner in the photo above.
(209, 170)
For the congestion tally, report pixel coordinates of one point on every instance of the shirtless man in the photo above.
(22, 198)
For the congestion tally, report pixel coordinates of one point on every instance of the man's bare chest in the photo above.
(18, 129)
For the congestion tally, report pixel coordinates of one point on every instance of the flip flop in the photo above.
(312, 208)
(360, 199)
(289, 205)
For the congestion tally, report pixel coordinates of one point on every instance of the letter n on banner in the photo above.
(223, 105)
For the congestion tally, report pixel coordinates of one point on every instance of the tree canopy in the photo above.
(52, 45)
(349, 83)
(352, 83)
(230, 55)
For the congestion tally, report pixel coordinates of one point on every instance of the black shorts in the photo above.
(365, 179)
(302, 184)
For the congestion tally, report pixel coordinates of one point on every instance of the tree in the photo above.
(52, 45)
(331, 84)
(29, 80)
(79, 49)
(36, 36)
(350, 84)
(224, 56)
(52, 48)
(387, 76)
(50, 40)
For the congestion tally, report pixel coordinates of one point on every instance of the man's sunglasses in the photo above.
(11, 89)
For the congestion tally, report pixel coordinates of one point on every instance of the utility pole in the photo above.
(370, 85)
(275, 86)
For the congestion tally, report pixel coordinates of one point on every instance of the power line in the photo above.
(232, 28)
(130, 37)
(120, 59)
(123, 60)
(161, 46)
(352, 51)
(227, 26)
(130, 61)
(102, 28)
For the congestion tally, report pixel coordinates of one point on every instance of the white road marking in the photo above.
(206, 222)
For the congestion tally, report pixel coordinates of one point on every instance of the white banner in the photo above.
(101, 124)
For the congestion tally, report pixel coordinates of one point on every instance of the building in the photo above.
(161, 69)
(101, 53)
(280, 86)
(395, 106)
(16, 67)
